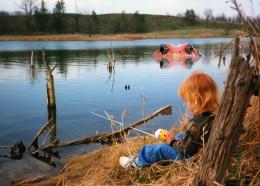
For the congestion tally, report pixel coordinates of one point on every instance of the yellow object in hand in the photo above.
(160, 134)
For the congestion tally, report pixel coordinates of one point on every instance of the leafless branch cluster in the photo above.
(28, 6)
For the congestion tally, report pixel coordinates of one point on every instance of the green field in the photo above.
(111, 24)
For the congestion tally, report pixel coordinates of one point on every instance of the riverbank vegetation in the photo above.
(35, 20)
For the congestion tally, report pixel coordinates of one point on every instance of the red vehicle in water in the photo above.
(184, 55)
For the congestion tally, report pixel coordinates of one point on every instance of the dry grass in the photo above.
(245, 163)
(187, 33)
(101, 167)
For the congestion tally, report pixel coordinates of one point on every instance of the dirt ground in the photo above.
(186, 33)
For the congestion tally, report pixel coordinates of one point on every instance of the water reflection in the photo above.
(111, 67)
(180, 62)
(112, 74)
(65, 58)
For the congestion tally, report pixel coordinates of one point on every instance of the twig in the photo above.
(6, 146)
(251, 143)
(149, 134)
(54, 68)
(218, 184)
(253, 180)
(48, 135)
(52, 145)
(110, 118)
(39, 133)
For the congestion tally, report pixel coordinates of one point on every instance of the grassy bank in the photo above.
(185, 33)
(97, 168)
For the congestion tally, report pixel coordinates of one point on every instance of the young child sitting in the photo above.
(200, 93)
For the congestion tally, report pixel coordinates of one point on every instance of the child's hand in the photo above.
(169, 137)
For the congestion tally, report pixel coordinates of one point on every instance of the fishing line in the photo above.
(149, 134)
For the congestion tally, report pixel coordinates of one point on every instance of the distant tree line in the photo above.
(39, 20)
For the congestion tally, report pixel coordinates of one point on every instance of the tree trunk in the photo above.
(32, 60)
(53, 124)
(227, 126)
(50, 83)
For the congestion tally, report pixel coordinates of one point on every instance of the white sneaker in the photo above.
(127, 162)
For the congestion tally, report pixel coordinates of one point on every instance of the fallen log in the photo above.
(48, 147)
(109, 136)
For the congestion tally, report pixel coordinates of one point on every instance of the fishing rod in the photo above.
(149, 134)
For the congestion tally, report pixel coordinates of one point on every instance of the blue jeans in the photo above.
(150, 154)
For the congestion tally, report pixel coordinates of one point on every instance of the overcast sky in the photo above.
(163, 7)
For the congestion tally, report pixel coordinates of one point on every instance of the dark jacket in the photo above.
(196, 135)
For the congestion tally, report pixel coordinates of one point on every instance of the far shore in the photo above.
(187, 33)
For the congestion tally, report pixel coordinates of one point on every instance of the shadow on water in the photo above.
(184, 63)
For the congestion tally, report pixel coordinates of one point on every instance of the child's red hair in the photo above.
(201, 91)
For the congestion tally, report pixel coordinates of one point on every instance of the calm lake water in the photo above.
(84, 85)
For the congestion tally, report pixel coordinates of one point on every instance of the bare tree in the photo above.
(208, 15)
(28, 6)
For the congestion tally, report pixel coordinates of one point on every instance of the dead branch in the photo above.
(108, 137)
(53, 68)
(48, 147)
(44, 127)
(50, 87)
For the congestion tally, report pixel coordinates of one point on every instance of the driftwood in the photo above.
(111, 62)
(227, 126)
(32, 69)
(44, 127)
(32, 60)
(16, 150)
(111, 67)
(46, 148)
(108, 136)
(50, 82)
